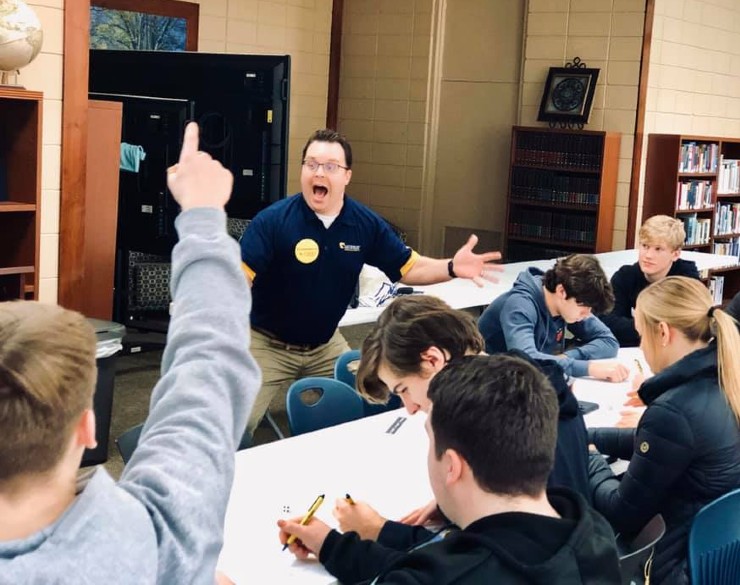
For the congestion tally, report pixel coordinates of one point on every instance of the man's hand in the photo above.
(477, 267)
(197, 180)
(610, 371)
(358, 517)
(428, 513)
(309, 538)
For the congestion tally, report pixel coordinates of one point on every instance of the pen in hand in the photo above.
(349, 499)
(639, 367)
(306, 519)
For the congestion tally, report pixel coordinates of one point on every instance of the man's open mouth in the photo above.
(320, 190)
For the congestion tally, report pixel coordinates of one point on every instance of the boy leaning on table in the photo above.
(532, 317)
(488, 475)
(661, 239)
(161, 523)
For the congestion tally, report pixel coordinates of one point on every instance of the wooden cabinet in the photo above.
(20, 192)
(562, 188)
(696, 179)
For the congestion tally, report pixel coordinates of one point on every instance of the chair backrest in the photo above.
(343, 373)
(332, 403)
(128, 441)
(635, 551)
(714, 542)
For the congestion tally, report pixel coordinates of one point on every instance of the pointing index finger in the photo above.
(189, 141)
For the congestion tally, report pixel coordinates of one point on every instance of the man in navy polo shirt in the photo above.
(303, 256)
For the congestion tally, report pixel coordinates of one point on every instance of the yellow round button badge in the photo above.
(306, 251)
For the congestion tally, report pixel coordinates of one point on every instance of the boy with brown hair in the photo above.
(661, 239)
(533, 315)
(161, 523)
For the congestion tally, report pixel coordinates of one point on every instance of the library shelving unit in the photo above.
(562, 188)
(20, 188)
(697, 179)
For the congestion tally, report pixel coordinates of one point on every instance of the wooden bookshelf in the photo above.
(684, 179)
(20, 191)
(562, 189)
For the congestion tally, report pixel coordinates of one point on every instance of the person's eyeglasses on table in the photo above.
(330, 168)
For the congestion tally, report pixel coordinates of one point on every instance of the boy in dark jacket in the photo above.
(488, 474)
(533, 315)
(661, 239)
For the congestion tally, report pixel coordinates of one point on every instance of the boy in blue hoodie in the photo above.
(533, 315)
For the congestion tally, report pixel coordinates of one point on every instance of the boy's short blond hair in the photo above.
(47, 380)
(663, 229)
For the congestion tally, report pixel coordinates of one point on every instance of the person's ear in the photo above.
(665, 333)
(560, 291)
(454, 467)
(675, 255)
(85, 431)
(347, 177)
(435, 359)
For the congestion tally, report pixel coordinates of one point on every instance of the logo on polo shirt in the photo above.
(306, 251)
(349, 247)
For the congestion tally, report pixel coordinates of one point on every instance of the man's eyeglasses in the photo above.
(329, 167)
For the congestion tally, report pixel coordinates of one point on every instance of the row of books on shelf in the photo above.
(717, 289)
(553, 226)
(578, 151)
(539, 185)
(729, 176)
(698, 229)
(727, 219)
(694, 195)
(698, 157)
(727, 247)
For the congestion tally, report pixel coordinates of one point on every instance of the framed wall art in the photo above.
(569, 93)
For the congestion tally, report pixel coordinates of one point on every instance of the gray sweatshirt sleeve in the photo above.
(183, 467)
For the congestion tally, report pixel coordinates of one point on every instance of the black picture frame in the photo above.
(568, 96)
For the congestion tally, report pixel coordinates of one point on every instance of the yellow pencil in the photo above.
(639, 367)
(311, 511)
(349, 499)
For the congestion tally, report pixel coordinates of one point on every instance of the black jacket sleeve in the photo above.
(619, 443)
(620, 320)
(402, 537)
(353, 560)
(664, 447)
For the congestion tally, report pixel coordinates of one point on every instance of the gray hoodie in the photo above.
(163, 521)
(520, 319)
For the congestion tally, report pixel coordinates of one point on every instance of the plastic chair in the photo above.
(714, 542)
(335, 403)
(128, 441)
(633, 553)
(344, 374)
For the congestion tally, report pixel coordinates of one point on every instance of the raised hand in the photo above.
(477, 267)
(197, 180)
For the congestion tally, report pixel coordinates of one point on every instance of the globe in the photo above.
(20, 35)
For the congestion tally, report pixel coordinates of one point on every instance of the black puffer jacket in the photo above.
(686, 454)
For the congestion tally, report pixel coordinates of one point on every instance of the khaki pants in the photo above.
(281, 367)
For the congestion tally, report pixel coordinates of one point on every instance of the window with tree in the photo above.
(144, 25)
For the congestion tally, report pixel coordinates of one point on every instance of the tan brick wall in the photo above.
(606, 34)
(45, 74)
(382, 104)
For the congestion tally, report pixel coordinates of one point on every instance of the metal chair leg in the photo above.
(275, 428)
